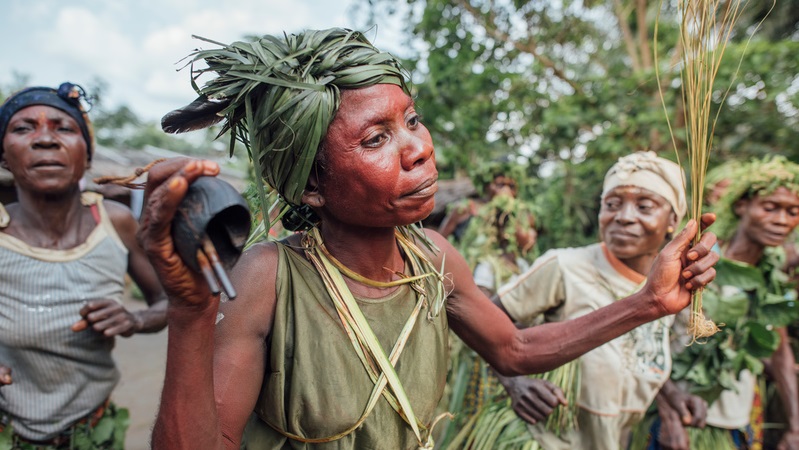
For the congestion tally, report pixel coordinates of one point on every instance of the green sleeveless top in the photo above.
(315, 386)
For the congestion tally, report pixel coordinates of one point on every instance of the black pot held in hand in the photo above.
(210, 229)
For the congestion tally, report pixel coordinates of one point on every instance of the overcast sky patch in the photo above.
(135, 46)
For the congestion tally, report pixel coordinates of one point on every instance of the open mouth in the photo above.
(622, 234)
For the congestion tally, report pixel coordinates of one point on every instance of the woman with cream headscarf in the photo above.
(643, 200)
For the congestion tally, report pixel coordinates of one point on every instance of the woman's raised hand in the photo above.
(167, 184)
(678, 269)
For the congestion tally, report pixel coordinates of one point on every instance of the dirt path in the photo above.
(141, 360)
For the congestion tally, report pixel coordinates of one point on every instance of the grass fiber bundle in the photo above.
(706, 27)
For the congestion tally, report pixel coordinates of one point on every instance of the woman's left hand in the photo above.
(672, 434)
(691, 409)
(533, 400)
(678, 269)
(107, 317)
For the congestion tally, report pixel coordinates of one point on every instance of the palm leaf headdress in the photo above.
(278, 95)
(750, 178)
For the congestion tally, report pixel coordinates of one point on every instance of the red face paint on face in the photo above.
(379, 167)
(633, 221)
(44, 148)
(769, 219)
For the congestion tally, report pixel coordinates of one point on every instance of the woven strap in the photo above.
(379, 367)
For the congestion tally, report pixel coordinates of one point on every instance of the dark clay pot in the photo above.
(214, 209)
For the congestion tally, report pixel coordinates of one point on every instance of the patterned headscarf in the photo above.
(649, 171)
(67, 98)
(278, 95)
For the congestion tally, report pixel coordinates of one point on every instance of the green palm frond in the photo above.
(283, 92)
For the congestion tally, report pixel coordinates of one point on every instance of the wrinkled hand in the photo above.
(690, 409)
(533, 399)
(789, 441)
(679, 269)
(5, 376)
(167, 184)
(672, 435)
(108, 318)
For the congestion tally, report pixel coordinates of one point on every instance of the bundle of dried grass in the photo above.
(705, 30)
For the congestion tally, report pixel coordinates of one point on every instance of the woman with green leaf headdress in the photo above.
(338, 336)
(756, 213)
(492, 179)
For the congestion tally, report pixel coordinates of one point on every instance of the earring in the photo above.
(670, 230)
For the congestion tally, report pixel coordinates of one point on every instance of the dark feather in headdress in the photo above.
(199, 114)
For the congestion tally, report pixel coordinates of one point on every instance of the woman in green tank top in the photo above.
(337, 338)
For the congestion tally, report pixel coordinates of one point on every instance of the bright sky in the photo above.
(134, 46)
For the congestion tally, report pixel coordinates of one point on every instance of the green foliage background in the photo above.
(567, 87)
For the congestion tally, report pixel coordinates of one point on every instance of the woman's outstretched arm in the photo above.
(483, 326)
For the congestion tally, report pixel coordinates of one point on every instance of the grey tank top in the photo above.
(59, 376)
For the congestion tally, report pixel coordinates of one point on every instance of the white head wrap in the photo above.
(649, 171)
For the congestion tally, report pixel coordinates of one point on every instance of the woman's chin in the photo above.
(623, 252)
(425, 211)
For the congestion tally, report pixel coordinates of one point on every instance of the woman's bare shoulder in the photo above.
(254, 278)
(259, 259)
(441, 246)
(117, 211)
(122, 219)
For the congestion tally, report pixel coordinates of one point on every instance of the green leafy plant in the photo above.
(751, 313)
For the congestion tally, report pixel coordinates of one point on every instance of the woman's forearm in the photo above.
(784, 373)
(188, 407)
(152, 319)
(545, 347)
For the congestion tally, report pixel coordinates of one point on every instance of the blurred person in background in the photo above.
(63, 259)
(755, 300)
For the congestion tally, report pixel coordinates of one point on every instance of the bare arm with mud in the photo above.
(214, 371)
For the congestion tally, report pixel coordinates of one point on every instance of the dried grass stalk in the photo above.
(705, 30)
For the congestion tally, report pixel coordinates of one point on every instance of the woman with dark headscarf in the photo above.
(63, 258)
(338, 336)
